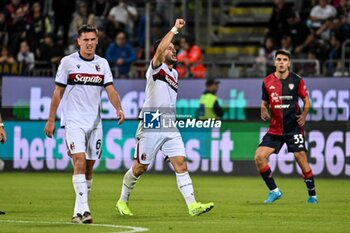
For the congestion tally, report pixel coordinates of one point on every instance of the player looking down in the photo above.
(80, 79)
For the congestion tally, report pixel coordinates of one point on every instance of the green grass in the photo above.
(40, 198)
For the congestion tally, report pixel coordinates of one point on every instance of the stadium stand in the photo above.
(229, 33)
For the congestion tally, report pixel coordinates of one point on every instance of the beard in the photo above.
(170, 61)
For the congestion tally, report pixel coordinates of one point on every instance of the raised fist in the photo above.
(179, 23)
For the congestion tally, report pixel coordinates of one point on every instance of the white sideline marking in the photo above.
(131, 228)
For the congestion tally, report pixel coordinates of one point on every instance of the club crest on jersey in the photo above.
(72, 146)
(291, 86)
(78, 66)
(143, 156)
(98, 67)
(272, 87)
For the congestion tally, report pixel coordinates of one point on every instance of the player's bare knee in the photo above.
(139, 169)
(259, 159)
(180, 166)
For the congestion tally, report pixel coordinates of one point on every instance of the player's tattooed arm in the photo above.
(264, 111)
(159, 55)
(302, 117)
(113, 97)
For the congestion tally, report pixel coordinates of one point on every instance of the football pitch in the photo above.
(43, 202)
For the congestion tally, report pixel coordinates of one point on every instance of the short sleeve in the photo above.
(265, 95)
(108, 77)
(302, 90)
(62, 73)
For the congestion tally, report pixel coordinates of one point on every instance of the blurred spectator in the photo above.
(301, 36)
(6, 57)
(17, 23)
(16, 11)
(159, 27)
(122, 17)
(3, 30)
(41, 25)
(343, 20)
(305, 9)
(336, 3)
(335, 67)
(121, 55)
(101, 9)
(103, 41)
(63, 17)
(50, 52)
(82, 16)
(162, 7)
(190, 59)
(266, 56)
(25, 57)
(277, 24)
(321, 19)
(286, 43)
(307, 68)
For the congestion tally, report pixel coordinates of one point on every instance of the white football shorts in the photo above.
(80, 140)
(148, 144)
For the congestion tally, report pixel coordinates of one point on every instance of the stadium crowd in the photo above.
(38, 33)
(314, 31)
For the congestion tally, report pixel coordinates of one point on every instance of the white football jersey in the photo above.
(84, 81)
(161, 89)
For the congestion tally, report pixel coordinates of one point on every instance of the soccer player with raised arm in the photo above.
(281, 91)
(161, 93)
(80, 79)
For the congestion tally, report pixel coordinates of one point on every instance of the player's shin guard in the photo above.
(81, 194)
(129, 183)
(310, 183)
(184, 183)
(267, 177)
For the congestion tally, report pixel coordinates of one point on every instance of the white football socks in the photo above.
(89, 185)
(184, 183)
(128, 185)
(81, 194)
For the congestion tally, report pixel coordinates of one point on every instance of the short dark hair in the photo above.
(86, 28)
(283, 52)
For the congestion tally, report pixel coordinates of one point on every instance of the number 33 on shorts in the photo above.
(298, 138)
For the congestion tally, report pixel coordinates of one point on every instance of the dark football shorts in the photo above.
(295, 142)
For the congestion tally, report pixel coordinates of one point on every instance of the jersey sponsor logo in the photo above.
(86, 79)
(286, 97)
(171, 81)
(291, 86)
(163, 76)
(281, 106)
